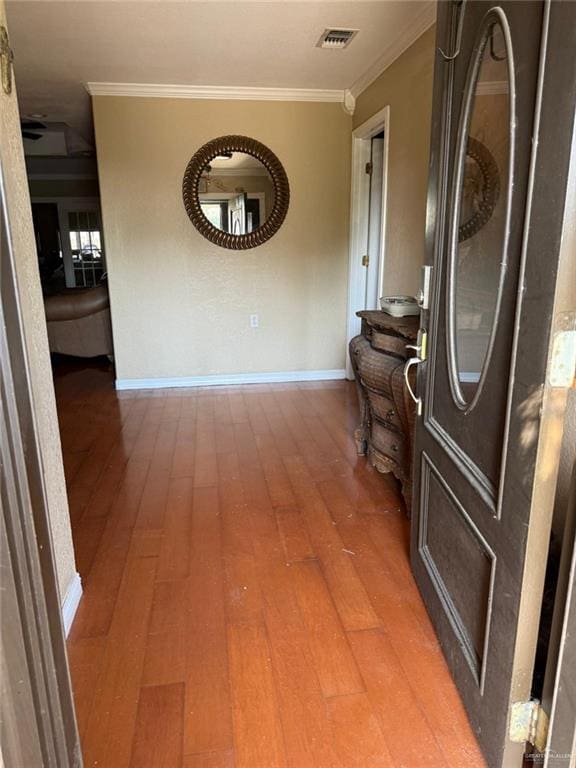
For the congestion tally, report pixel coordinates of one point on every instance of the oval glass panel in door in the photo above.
(480, 227)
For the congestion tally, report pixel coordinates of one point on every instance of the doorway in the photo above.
(69, 240)
(367, 218)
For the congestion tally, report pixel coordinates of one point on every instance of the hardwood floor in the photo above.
(248, 600)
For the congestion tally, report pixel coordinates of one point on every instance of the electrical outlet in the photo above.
(254, 321)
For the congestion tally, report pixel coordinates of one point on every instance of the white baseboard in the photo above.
(219, 380)
(71, 602)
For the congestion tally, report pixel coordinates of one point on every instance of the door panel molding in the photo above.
(485, 465)
(468, 468)
(476, 661)
(470, 92)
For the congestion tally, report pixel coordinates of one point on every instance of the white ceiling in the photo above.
(238, 160)
(60, 46)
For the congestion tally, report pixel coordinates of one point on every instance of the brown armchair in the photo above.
(78, 322)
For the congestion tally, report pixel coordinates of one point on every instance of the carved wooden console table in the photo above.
(386, 431)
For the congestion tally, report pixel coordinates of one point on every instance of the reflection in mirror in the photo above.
(480, 255)
(236, 193)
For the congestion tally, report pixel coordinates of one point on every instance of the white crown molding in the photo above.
(346, 97)
(404, 40)
(219, 380)
(225, 92)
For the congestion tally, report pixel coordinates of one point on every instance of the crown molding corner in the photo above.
(160, 90)
(423, 21)
(349, 102)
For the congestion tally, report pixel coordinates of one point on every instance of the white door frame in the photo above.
(360, 194)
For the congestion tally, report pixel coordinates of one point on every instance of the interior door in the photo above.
(374, 251)
(500, 152)
(237, 209)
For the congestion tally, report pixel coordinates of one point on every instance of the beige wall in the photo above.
(180, 305)
(406, 86)
(12, 159)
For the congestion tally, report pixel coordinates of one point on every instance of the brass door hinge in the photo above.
(365, 260)
(6, 59)
(529, 723)
(369, 168)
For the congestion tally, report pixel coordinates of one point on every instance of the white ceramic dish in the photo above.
(400, 306)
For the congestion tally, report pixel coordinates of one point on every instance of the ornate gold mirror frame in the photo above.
(196, 167)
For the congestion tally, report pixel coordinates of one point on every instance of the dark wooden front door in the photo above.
(503, 121)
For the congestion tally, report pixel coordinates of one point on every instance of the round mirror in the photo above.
(236, 192)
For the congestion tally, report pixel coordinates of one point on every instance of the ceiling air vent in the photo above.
(336, 38)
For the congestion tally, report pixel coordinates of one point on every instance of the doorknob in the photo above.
(418, 400)
(421, 352)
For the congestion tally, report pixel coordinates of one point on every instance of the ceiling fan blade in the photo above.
(33, 125)
(31, 136)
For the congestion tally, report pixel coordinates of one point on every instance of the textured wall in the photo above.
(406, 86)
(180, 305)
(12, 158)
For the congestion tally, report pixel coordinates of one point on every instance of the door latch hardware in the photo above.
(6, 59)
(424, 293)
(368, 168)
(365, 260)
(528, 723)
(418, 400)
(420, 348)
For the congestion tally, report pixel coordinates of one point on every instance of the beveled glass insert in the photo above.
(479, 241)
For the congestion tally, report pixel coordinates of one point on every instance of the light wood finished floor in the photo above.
(248, 599)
